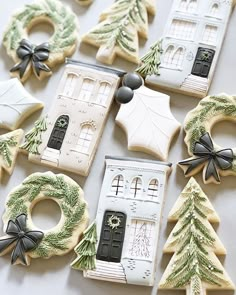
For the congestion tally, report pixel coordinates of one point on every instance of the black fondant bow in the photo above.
(205, 152)
(36, 55)
(23, 240)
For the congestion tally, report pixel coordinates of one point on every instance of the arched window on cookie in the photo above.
(136, 188)
(117, 185)
(85, 138)
(87, 89)
(103, 93)
(70, 84)
(153, 190)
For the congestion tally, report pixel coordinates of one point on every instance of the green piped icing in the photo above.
(33, 138)
(150, 62)
(193, 241)
(5, 152)
(86, 250)
(63, 18)
(209, 108)
(122, 23)
(57, 188)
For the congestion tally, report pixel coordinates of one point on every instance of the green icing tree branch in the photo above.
(86, 250)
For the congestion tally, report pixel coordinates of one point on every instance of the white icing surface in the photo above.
(15, 104)
(148, 122)
(55, 276)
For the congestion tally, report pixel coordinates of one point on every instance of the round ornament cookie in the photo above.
(23, 239)
(40, 58)
(206, 155)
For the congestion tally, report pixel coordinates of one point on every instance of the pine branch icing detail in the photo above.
(117, 33)
(194, 266)
(33, 138)
(150, 62)
(200, 121)
(86, 250)
(5, 152)
(9, 147)
(67, 194)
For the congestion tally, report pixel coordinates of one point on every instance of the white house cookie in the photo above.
(146, 117)
(205, 153)
(119, 30)
(69, 135)
(9, 147)
(23, 239)
(127, 223)
(194, 266)
(190, 47)
(16, 104)
(40, 58)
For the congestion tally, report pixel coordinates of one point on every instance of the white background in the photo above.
(54, 276)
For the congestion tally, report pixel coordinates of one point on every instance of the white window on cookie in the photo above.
(85, 138)
(87, 89)
(188, 5)
(182, 29)
(210, 34)
(70, 85)
(141, 240)
(136, 188)
(103, 93)
(117, 185)
(214, 9)
(153, 190)
(173, 57)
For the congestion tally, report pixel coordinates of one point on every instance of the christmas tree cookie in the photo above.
(119, 30)
(86, 250)
(9, 147)
(194, 266)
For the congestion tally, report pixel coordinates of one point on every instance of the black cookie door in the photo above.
(203, 61)
(112, 237)
(58, 132)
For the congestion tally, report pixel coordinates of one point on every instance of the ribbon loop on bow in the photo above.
(33, 56)
(25, 240)
(206, 154)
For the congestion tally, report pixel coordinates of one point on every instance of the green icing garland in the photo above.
(5, 152)
(68, 196)
(63, 41)
(200, 120)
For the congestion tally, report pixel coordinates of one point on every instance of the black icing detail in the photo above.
(203, 61)
(111, 240)
(24, 240)
(124, 95)
(58, 133)
(32, 55)
(133, 81)
(205, 152)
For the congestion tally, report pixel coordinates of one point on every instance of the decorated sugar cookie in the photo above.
(194, 266)
(121, 246)
(84, 2)
(40, 58)
(206, 155)
(69, 135)
(16, 104)
(119, 30)
(23, 240)
(146, 117)
(9, 147)
(184, 60)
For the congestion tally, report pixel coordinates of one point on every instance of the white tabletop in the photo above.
(54, 276)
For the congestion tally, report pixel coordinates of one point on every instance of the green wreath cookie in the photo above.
(23, 239)
(205, 153)
(41, 57)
